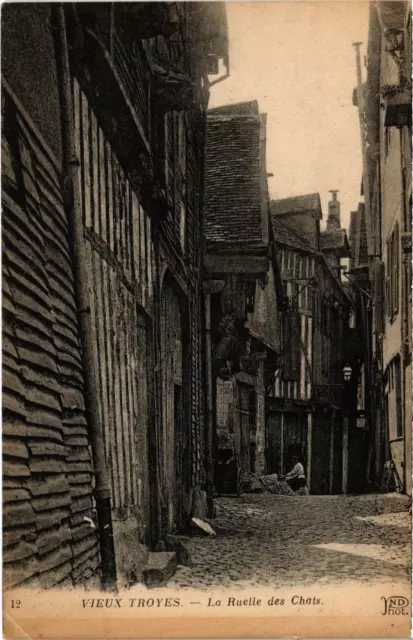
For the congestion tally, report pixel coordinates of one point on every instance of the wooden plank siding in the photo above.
(296, 270)
(119, 254)
(47, 466)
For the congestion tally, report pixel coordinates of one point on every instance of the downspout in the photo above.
(71, 196)
(210, 407)
(209, 386)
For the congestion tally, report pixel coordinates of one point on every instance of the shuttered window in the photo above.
(292, 351)
(398, 385)
(395, 409)
(393, 271)
(378, 296)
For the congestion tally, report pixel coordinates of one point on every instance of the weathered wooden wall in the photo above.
(48, 535)
(297, 269)
(119, 253)
(180, 246)
(172, 405)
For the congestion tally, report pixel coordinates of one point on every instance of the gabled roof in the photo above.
(283, 235)
(296, 204)
(233, 185)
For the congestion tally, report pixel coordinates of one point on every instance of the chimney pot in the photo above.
(333, 220)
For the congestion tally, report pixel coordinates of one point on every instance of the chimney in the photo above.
(333, 220)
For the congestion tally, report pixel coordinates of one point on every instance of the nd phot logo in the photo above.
(395, 606)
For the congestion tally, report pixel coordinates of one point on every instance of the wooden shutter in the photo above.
(379, 296)
(396, 268)
(388, 281)
(292, 349)
(398, 390)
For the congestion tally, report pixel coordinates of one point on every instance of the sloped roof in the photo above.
(283, 235)
(335, 239)
(238, 109)
(233, 175)
(296, 204)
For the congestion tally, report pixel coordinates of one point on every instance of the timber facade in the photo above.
(138, 78)
(308, 412)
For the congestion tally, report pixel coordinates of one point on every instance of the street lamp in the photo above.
(347, 371)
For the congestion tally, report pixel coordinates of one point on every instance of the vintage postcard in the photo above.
(206, 313)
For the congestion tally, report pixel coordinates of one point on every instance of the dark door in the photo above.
(294, 439)
(179, 462)
(338, 455)
(274, 444)
(172, 445)
(246, 421)
(320, 457)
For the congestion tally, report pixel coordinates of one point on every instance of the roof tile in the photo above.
(283, 235)
(232, 184)
(296, 204)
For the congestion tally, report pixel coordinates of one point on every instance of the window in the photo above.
(395, 413)
(297, 266)
(387, 140)
(392, 273)
(294, 296)
(398, 390)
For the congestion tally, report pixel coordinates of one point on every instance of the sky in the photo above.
(297, 60)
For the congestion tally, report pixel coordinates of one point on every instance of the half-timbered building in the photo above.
(102, 219)
(306, 414)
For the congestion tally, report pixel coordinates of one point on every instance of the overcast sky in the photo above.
(297, 60)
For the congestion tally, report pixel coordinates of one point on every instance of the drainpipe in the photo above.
(71, 198)
(209, 403)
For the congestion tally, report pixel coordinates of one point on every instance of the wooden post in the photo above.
(309, 445)
(72, 201)
(345, 455)
(331, 467)
(209, 452)
(282, 445)
(210, 287)
(260, 421)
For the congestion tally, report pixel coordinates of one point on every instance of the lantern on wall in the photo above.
(347, 371)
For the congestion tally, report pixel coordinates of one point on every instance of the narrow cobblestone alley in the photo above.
(280, 541)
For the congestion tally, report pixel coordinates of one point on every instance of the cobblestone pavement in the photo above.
(279, 541)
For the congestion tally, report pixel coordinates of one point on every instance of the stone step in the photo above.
(160, 567)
